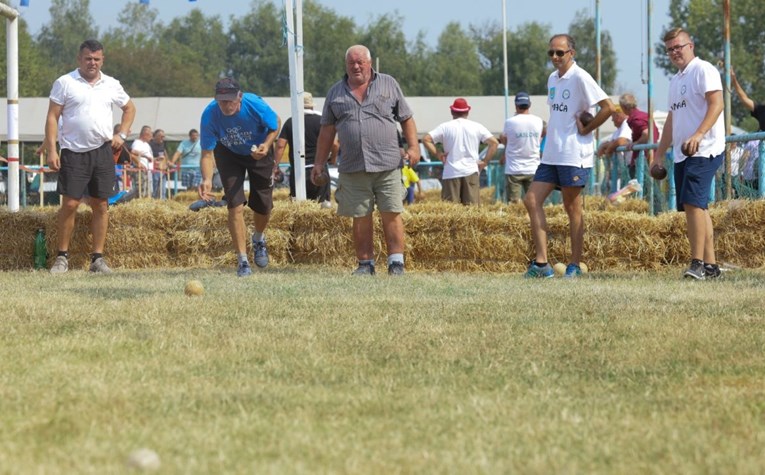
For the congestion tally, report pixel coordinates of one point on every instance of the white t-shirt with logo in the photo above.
(688, 105)
(461, 139)
(568, 96)
(524, 136)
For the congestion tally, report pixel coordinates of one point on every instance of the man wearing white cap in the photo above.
(461, 139)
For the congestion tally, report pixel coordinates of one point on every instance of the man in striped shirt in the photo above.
(364, 109)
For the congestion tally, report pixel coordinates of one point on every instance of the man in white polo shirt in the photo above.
(83, 101)
(461, 139)
(695, 126)
(568, 155)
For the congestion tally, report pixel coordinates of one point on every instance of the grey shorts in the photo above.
(358, 193)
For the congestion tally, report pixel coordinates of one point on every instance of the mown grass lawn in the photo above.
(305, 370)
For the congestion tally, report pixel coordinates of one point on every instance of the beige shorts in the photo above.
(465, 190)
(516, 184)
(358, 193)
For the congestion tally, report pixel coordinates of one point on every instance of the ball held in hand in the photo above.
(322, 178)
(658, 172)
(585, 117)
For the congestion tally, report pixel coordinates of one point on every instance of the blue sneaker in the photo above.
(572, 271)
(244, 269)
(261, 253)
(544, 272)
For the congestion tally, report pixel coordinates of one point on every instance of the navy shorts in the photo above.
(693, 180)
(562, 175)
(90, 173)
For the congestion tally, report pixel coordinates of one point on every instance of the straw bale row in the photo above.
(440, 236)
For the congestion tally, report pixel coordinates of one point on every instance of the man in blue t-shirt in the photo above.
(189, 153)
(237, 134)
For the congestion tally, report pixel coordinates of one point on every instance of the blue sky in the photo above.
(625, 20)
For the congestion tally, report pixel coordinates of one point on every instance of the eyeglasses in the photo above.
(559, 53)
(676, 49)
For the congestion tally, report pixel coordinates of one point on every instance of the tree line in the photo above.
(185, 56)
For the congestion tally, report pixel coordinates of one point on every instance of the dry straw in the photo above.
(441, 236)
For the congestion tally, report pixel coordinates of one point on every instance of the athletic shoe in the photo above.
(99, 266)
(199, 204)
(572, 271)
(396, 268)
(534, 271)
(365, 269)
(261, 253)
(695, 271)
(60, 265)
(326, 204)
(244, 269)
(712, 271)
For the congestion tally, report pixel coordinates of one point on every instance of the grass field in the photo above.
(307, 370)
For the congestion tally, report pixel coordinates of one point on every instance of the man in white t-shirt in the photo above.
(142, 148)
(80, 118)
(522, 136)
(569, 150)
(461, 139)
(695, 129)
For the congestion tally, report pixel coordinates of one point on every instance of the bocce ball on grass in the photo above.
(194, 288)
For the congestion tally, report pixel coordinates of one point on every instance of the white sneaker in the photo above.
(326, 204)
(60, 265)
(99, 266)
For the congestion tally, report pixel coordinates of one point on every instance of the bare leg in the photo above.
(709, 240)
(363, 230)
(261, 222)
(534, 202)
(65, 221)
(100, 223)
(393, 229)
(237, 229)
(572, 202)
(696, 219)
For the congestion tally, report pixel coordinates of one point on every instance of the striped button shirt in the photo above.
(367, 130)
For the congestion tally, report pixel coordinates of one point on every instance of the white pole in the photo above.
(12, 60)
(295, 56)
(504, 54)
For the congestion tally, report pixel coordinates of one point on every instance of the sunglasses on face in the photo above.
(559, 53)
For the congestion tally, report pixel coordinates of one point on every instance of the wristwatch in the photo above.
(122, 135)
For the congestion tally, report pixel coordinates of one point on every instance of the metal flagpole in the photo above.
(295, 55)
(504, 53)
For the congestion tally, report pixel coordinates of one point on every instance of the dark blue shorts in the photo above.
(693, 180)
(562, 175)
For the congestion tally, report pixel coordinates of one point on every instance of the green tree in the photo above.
(582, 29)
(455, 64)
(70, 24)
(255, 53)
(703, 20)
(326, 37)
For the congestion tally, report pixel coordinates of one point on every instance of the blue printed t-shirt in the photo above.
(238, 132)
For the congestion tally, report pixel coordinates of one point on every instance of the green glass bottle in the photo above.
(41, 253)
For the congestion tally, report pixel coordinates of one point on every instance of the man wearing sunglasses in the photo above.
(695, 129)
(569, 152)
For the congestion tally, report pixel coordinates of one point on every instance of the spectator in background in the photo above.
(142, 149)
(522, 136)
(621, 137)
(81, 103)
(461, 139)
(369, 169)
(411, 180)
(238, 133)
(569, 153)
(157, 144)
(312, 127)
(188, 156)
(756, 109)
(637, 121)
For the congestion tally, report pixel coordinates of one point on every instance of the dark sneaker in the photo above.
(365, 269)
(244, 269)
(396, 268)
(261, 253)
(99, 266)
(199, 204)
(695, 271)
(712, 271)
(60, 265)
(543, 272)
(572, 271)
